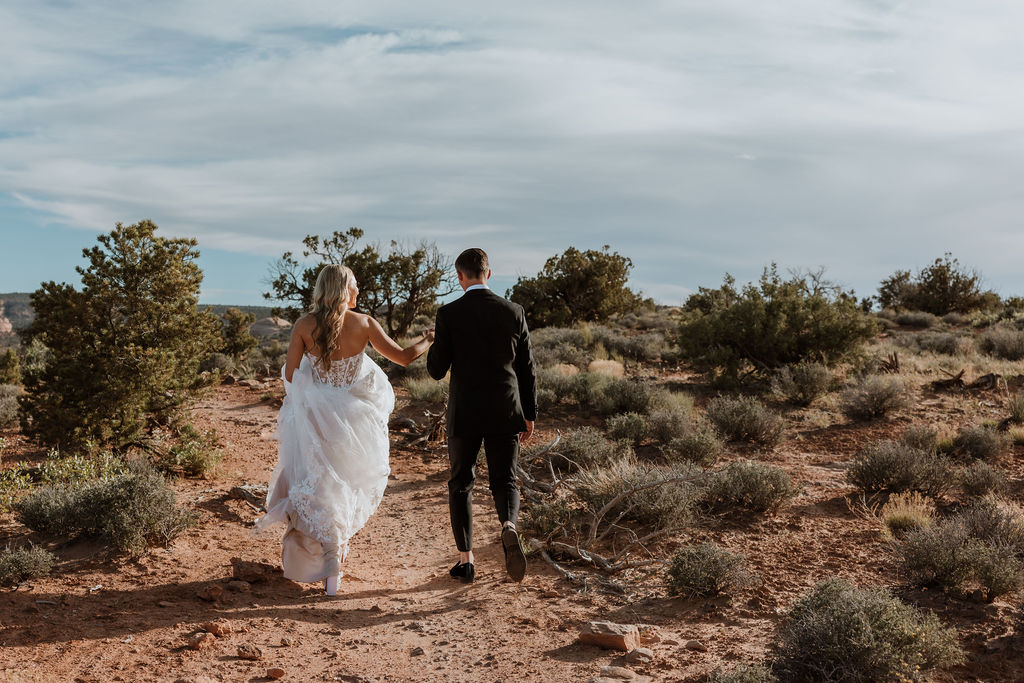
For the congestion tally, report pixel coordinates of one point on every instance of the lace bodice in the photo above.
(342, 373)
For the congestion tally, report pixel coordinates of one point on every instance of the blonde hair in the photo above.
(330, 301)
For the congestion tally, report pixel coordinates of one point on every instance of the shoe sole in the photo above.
(515, 558)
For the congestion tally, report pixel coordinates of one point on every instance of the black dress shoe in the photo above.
(463, 571)
(515, 558)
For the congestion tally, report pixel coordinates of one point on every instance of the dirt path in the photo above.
(399, 616)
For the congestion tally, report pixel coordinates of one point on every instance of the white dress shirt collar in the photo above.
(472, 287)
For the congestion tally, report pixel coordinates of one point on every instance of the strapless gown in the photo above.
(332, 467)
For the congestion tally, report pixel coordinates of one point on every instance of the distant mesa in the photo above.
(268, 327)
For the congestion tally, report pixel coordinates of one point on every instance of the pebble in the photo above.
(246, 651)
(696, 645)
(201, 641)
(210, 593)
(419, 651)
(640, 655)
(275, 673)
(240, 586)
(217, 628)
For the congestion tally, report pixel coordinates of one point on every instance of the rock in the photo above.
(246, 651)
(253, 572)
(210, 593)
(403, 423)
(217, 628)
(612, 368)
(418, 652)
(610, 636)
(641, 655)
(649, 634)
(696, 645)
(618, 673)
(229, 379)
(275, 673)
(287, 642)
(251, 383)
(166, 603)
(268, 327)
(239, 586)
(670, 641)
(255, 494)
(201, 641)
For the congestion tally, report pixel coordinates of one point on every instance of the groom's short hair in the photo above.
(472, 263)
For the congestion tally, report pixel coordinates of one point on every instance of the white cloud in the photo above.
(695, 138)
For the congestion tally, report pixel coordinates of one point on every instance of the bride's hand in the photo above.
(428, 334)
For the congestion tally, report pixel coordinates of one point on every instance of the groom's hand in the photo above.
(528, 434)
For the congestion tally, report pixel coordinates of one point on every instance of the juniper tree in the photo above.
(124, 348)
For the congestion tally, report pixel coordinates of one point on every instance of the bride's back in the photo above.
(352, 337)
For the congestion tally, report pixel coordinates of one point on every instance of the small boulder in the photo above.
(617, 673)
(210, 593)
(287, 642)
(246, 651)
(418, 652)
(275, 673)
(239, 586)
(649, 634)
(611, 636)
(217, 628)
(201, 641)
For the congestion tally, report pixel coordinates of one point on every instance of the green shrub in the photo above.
(983, 544)
(236, 339)
(561, 386)
(728, 331)
(631, 427)
(939, 342)
(745, 419)
(940, 288)
(917, 319)
(193, 453)
(876, 396)
(979, 442)
(665, 425)
(24, 564)
(10, 367)
(748, 485)
(1002, 341)
(577, 286)
(956, 319)
(220, 362)
(645, 347)
(546, 517)
(981, 479)
(895, 467)
(128, 511)
(664, 506)
(9, 409)
(75, 469)
(125, 346)
(802, 383)
(586, 447)
(426, 389)
(700, 445)
(838, 632)
(1016, 407)
(624, 396)
(12, 482)
(675, 401)
(706, 570)
(921, 437)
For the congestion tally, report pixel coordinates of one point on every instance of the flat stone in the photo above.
(641, 655)
(649, 634)
(611, 636)
(275, 673)
(696, 645)
(239, 586)
(418, 652)
(618, 673)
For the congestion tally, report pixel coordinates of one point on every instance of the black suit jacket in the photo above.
(484, 341)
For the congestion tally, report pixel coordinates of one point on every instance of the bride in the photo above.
(332, 430)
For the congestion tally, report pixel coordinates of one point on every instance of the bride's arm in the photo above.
(387, 347)
(296, 347)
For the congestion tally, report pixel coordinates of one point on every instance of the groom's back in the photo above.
(484, 341)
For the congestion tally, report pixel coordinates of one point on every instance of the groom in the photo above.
(492, 400)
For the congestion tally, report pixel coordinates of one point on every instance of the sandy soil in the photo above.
(400, 617)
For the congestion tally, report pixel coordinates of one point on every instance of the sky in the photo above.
(695, 138)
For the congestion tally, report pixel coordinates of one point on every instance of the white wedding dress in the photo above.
(332, 462)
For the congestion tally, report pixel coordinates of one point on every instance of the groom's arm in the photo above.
(439, 357)
(525, 372)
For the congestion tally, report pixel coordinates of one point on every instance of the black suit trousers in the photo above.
(463, 451)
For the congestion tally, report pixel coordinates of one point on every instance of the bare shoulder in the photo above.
(360, 320)
(305, 323)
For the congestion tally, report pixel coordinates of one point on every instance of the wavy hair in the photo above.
(330, 301)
